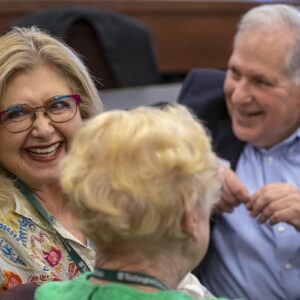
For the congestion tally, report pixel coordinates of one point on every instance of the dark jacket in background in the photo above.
(126, 42)
(202, 92)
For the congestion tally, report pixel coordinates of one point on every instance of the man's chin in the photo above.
(250, 138)
(243, 134)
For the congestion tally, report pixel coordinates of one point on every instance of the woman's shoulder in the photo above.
(66, 290)
(80, 287)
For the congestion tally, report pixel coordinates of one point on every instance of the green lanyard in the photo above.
(128, 277)
(82, 266)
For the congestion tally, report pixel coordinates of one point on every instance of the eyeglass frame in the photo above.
(42, 108)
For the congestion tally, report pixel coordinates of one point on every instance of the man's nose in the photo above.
(241, 94)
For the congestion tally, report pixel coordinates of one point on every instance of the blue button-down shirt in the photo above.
(250, 260)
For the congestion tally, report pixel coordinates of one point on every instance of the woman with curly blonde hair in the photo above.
(141, 184)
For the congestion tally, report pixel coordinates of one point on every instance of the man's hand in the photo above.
(233, 192)
(276, 202)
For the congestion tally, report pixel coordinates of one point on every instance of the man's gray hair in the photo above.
(270, 18)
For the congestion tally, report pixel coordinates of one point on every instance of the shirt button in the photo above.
(288, 266)
(281, 228)
(270, 159)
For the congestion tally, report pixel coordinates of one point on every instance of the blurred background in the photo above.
(137, 43)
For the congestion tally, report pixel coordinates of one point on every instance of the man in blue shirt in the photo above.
(255, 246)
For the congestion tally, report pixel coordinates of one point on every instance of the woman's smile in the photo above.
(45, 153)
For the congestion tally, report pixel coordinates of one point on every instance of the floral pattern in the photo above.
(29, 249)
(11, 279)
(53, 256)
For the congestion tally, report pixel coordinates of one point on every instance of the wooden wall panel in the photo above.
(186, 33)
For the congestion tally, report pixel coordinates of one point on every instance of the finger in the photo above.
(227, 198)
(222, 207)
(238, 191)
(228, 204)
(268, 211)
(278, 189)
(243, 195)
(289, 215)
(249, 203)
(257, 206)
(273, 193)
(274, 208)
(260, 201)
(258, 196)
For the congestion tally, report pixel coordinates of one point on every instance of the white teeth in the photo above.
(46, 151)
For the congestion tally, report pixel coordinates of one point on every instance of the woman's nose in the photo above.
(42, 126)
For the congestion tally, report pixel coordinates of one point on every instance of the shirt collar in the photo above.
(25, 209)
(286, 143)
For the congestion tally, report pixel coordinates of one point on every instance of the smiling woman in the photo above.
(45, 93)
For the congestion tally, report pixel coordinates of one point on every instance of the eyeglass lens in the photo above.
(59, 109)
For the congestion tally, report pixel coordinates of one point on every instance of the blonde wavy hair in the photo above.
(22, 49)
(131, 174)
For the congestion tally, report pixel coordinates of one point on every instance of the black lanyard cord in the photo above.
(128, 277)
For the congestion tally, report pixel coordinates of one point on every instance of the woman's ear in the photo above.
(189, 224)
(190, 220)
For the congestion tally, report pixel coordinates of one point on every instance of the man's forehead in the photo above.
(254, 56)
(265, 44)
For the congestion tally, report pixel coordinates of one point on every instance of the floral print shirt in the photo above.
(30, 251)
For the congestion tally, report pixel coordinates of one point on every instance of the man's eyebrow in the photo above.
(263, 76)
(253, 75)
(258, 76)
(234, 69)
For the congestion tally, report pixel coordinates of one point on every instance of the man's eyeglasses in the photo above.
(58, 109)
